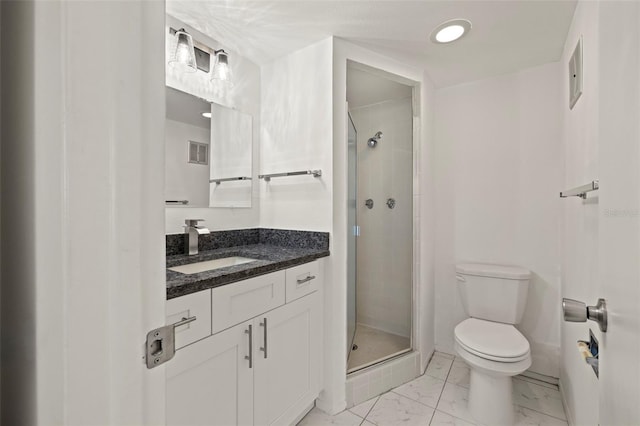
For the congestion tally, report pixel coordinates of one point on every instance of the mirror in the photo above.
(208, 160)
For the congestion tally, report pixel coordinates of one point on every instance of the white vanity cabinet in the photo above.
(261, 370)
(210, 382)
(287, 379)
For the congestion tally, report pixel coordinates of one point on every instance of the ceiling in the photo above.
(187, 109)
(507, 35)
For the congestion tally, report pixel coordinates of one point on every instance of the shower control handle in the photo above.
(369, 203)
(391, 203)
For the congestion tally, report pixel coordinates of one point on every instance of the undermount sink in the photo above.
(209, 265)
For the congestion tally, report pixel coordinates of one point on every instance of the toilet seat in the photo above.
(492, 340)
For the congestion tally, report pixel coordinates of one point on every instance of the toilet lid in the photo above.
(492, 340)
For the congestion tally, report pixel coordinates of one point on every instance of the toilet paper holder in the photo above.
(576, 311)
(590, 352)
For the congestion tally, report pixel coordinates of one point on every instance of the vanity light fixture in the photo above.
(451, 30)
(184, 57)
(221, 70)
(206, 114)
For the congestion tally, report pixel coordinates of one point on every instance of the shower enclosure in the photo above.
(380, 219)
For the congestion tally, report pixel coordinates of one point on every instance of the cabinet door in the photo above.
(210, 382)
(287, 379)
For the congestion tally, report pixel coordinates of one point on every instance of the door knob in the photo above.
(576, 311)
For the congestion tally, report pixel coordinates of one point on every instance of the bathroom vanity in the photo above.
(253, 354)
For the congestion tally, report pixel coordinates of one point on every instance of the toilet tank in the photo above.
(493, 292)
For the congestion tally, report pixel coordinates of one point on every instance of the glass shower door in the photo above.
(353, 232)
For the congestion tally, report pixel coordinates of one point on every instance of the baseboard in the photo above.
(567, 411)
(304, 413)
(541, 377)
(423, 368)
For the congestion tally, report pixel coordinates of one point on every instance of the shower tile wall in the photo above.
(386, 238)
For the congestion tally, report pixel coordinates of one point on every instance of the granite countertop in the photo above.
(271, 257)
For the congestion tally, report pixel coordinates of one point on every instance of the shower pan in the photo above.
(380, 244)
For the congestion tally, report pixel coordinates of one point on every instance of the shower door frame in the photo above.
(415, 243)
(352, 235)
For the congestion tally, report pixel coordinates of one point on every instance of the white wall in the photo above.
(244, 95)
(580, 237)
(184, 180)
(384, 247)
(296, 135)
(498, 174)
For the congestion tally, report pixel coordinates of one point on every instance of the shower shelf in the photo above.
(581, 191)
(315, 173)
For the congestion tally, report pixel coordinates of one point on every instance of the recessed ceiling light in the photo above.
(450, 31)
(206, 114)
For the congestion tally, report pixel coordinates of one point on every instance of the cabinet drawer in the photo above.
(195, 304)
(302, 280)
(238, 302)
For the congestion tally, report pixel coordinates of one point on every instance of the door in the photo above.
(210, 382)
(86, 179)
(354, 230)
(619, 208)
(286, 375)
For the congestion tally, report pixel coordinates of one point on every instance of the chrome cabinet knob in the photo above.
(576, 311)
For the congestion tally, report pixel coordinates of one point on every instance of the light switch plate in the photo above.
(575, 75)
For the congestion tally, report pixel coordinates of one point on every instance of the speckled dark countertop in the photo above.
(274, 249)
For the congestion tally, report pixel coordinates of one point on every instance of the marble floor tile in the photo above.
(526, 417)
(439, 366)
(367, 423)
(425, 389)
(539, 398)
(454, 401)
(444, 419)
(363, 409)
(393, 409)
(459, 374)
(316, 417)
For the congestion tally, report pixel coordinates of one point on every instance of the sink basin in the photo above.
(209, 265)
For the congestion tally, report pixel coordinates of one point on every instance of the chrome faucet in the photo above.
(192, 229)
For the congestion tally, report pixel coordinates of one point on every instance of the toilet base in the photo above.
(490, 399)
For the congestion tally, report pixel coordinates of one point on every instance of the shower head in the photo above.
(372, 142)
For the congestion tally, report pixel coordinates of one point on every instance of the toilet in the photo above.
(494, 296)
